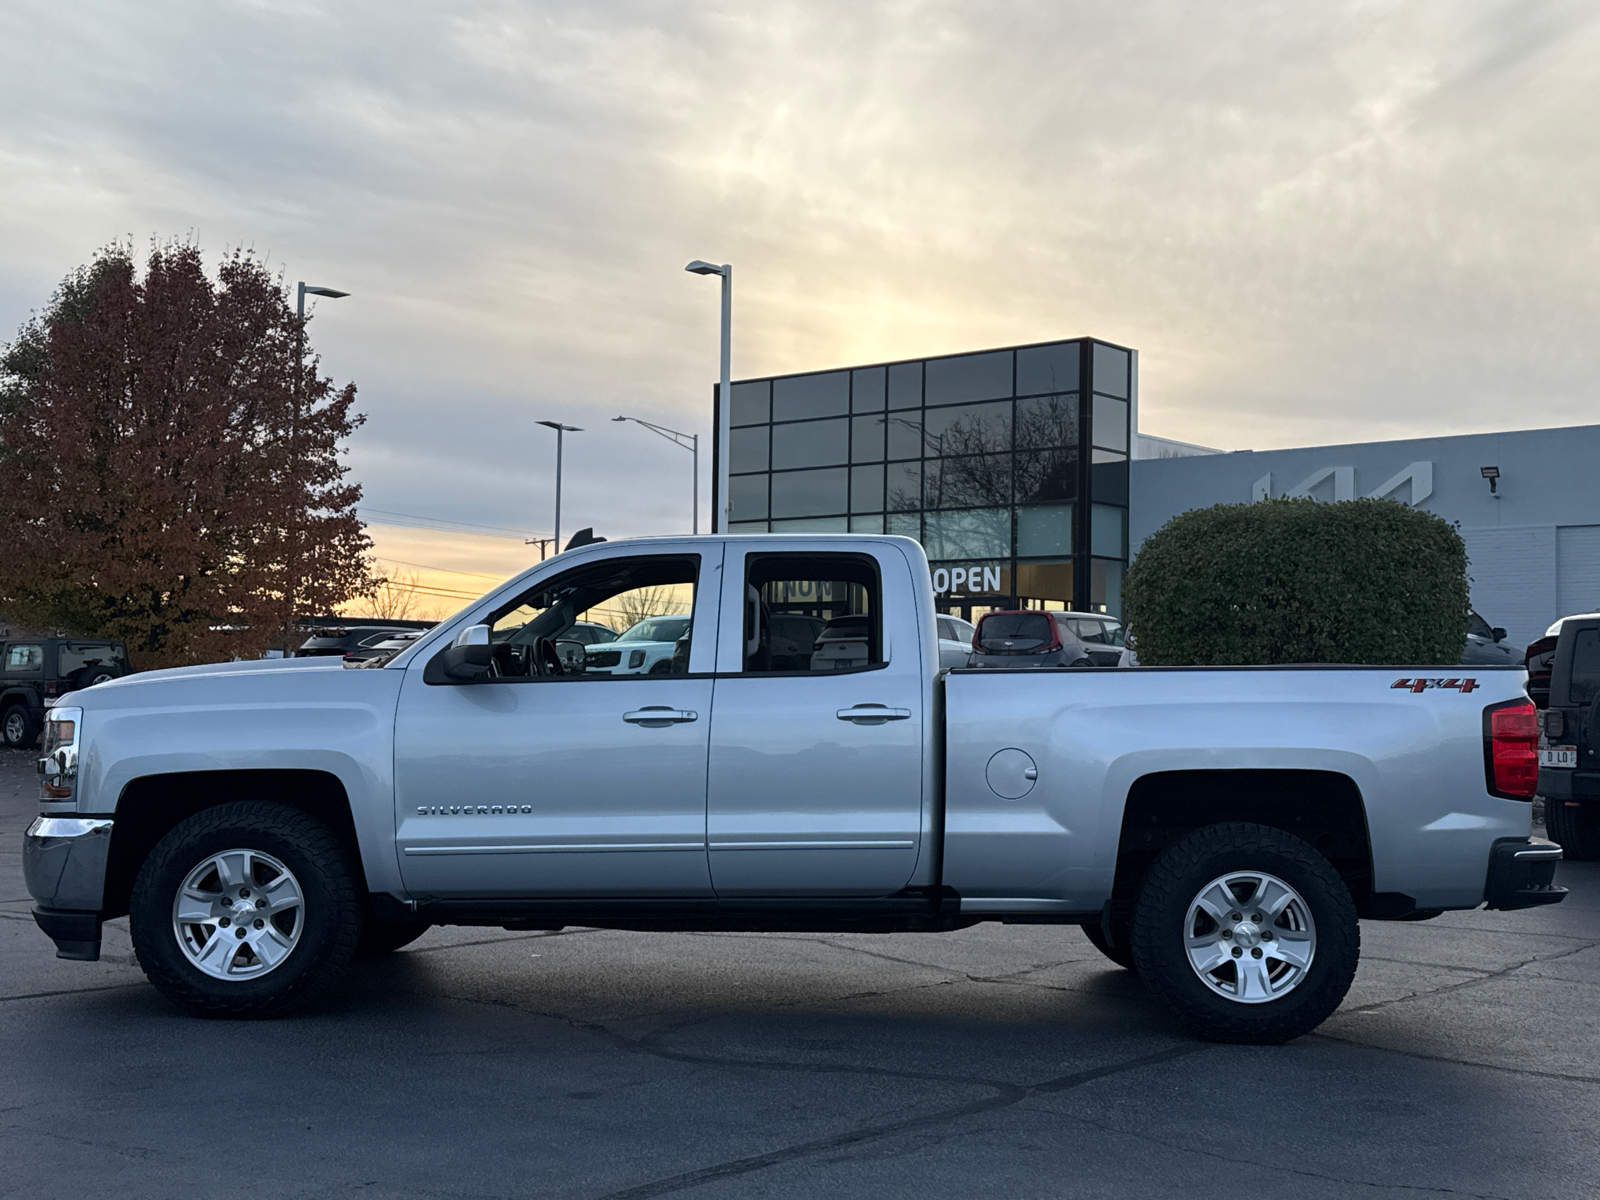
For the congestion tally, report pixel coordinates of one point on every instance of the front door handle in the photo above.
(872, 714)
(659, 716)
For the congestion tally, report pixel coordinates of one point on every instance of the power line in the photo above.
(446, 570)
(499, 530)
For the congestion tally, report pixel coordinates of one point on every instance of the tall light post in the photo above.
(723, 506)
(691, 443)
(292, 564)
(560, 429)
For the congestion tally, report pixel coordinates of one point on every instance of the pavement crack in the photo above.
(110, 987)
(1476, 981)
(1009, 1097)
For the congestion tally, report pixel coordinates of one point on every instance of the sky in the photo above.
(1318, 223)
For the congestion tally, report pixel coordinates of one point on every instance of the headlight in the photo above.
(58, 769)
(636, 659)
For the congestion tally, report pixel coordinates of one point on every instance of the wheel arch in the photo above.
(1324, 808)
(151, 806)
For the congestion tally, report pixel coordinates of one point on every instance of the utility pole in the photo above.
(560, 429)
(292, 551)
(539, 542)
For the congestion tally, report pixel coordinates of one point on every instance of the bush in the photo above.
(1300, 581)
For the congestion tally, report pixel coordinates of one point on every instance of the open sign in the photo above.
(968, 579)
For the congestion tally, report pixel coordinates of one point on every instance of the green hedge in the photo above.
(1299, 581)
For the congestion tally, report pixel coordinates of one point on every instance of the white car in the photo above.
(955, 641)
(645, 648)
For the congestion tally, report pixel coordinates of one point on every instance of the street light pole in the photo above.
(292, 557)
(724, 506)
(691, 443)
(560, 429)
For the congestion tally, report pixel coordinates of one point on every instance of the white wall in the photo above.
(1534, 542)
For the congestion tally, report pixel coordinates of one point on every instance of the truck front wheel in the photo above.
(1247, 933)
(245, 910)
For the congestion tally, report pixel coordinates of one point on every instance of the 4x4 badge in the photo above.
(1421, 685)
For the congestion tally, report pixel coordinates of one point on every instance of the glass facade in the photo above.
(1009, 466)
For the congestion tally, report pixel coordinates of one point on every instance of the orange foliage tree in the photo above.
(169, 469)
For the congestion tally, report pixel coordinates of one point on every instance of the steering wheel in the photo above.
(546, 660)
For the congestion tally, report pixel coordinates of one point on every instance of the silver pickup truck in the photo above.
(1218, 830)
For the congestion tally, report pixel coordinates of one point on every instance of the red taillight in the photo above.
(1511, 749)
(1055, 635)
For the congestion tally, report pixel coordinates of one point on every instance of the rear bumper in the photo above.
(1522, 874)
(1564, 783)
(64, 864)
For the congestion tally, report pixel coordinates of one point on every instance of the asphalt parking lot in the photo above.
(998, 1061)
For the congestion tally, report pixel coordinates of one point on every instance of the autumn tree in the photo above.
(169, 462)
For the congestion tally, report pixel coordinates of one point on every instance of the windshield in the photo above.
(1013, 632)
(657, 629)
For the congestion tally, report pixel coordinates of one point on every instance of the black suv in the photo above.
(1569, 741)
(33, 670)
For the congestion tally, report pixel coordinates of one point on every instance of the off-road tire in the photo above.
(332, 910)
(1121, 953)
(385, 937)
(1177, 877)
(19, 728)
(1576, 827)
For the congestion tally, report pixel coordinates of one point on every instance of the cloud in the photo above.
(1317, 222)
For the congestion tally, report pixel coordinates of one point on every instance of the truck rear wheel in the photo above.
(1576, 825)
(245, 910)
(1247, 933)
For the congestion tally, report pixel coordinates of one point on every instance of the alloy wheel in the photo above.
(1250, 937)
(238, 915)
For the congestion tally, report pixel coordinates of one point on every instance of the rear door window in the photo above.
(24, 658)
(1585, 685)
(812, 612)
(1014, 633)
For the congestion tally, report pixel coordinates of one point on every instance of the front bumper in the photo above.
(1522, 874)
(64, 864)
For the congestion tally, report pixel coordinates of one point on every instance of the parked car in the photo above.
(1569, 738)
(644, 648)
(844, 643)
(1487, 646)
(341, 641)
(955, 641)
(1221, 830)
(1130, 648)
(36, 672)
(1034, 638)
(575, 642)
(1540, 654)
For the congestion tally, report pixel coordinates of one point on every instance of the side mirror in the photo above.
(571, 653)
(1499, 633)
(464, 660)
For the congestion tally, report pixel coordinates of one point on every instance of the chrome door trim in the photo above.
(897, 844)
(558, 848)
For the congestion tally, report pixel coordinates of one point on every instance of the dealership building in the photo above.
(1024, 474)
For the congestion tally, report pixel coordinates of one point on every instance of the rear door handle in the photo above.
(659, 716)
(872, 714)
